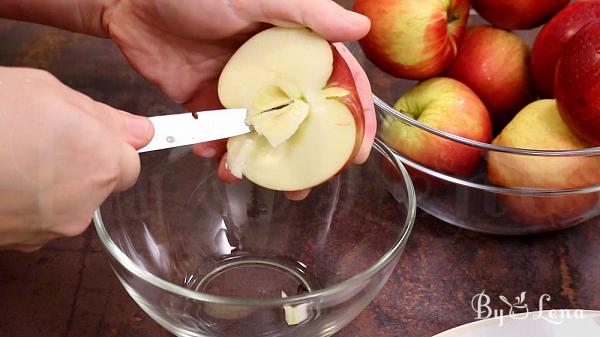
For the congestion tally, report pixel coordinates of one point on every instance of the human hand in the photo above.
(62, 154)
(182, 46)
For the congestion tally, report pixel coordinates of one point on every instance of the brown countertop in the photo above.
(68, 290)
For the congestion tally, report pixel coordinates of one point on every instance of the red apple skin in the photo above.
(495, 64)
(577, 85)
(447, 105)
(341, 77)
(392, 45)
(552, 39)
(518, 14)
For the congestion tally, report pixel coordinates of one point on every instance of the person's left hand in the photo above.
(182, 46)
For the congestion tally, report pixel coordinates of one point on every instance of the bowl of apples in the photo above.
(493, 107)
(206, 258)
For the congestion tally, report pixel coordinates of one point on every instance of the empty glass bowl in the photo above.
(203, 258)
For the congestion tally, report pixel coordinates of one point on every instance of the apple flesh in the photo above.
(577, 85)
(539, 126)
(413, 39)
(518, 14)
(303, 105)
(552, 39)
(494, 63)
(447, 105)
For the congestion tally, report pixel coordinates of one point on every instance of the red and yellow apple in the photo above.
(447, 105)
(539, 127)
(303, 106)
(518, 14)
(413, 39)
(577, 86)
(552, 39)
(494, 63)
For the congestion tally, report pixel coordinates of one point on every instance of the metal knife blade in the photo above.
(183, 129)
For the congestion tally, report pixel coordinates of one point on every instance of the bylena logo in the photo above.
(519, 310)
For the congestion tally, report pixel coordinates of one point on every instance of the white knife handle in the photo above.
(183, 129)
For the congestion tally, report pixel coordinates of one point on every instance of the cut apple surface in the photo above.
(303, 106)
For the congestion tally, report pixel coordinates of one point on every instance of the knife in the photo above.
(184, 129)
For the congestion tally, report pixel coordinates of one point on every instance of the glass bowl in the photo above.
(204, 258)
(474, 202)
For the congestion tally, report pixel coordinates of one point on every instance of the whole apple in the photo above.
(302, 104)
(447, 105)
(413, 39)
(551, 40)
(518, 14)
(577, 85)
(495, 64)
(539, 126)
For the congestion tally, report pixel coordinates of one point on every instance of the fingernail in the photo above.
(208, 153)
(139, 128)
(357, 19)
(297, 195)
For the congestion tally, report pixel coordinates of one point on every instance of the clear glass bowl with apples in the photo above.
(476, 203)
(537, 177)
(205, 258)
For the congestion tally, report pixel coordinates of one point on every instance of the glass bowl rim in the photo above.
(391, 111)
(538, 192)
(122, 259)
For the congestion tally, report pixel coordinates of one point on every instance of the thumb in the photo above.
(139, 130)
(325, 17)
(135, 130)
(129, 163)
(131, 132)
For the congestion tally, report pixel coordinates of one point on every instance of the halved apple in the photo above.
(303, 105)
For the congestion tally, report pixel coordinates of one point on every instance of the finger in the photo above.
(33, 244)
(224, 173)
(132, 132)
(129, 164)
(25, 248)
(297, 195)
(140, 131)
(363, 86)
(325, 17)
(137, 131)
(205, 98)
(71, 228)
(211, 150)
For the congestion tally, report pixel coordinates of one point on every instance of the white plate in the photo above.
(550, 323)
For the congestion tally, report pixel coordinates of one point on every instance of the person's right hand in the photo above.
(61, 155)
